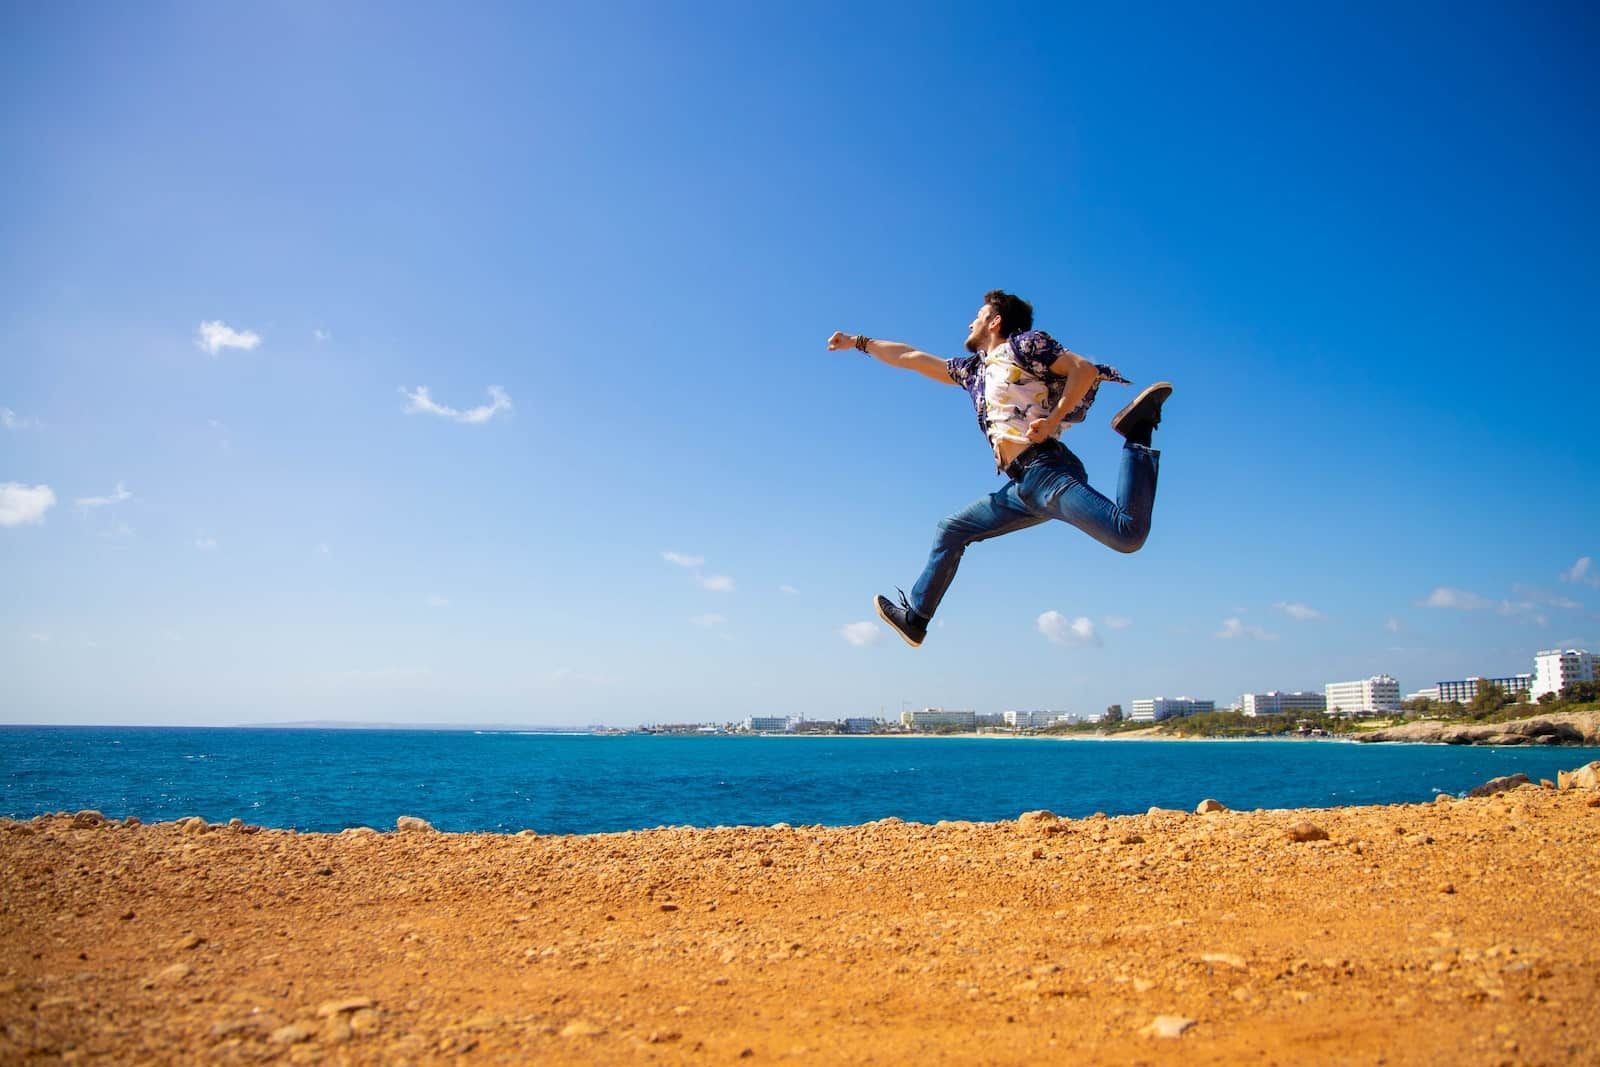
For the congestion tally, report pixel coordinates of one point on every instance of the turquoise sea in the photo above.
(332, 779)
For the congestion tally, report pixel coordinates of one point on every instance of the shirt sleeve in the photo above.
(960, 369)
(1036, 351)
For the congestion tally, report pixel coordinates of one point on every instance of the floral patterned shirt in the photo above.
(1013, 385)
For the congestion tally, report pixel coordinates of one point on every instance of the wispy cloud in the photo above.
(420, 402)
(789, 589)
(1060, 630)
(213, 336)
(1451, 599)
(1393, 626)
(1233, 627)
(1582, 571)
(861, 634)
(323, 549)
(117, 529)
(1534, 595)
(116, 496)
(1117, 622)
(12, 421)
(205, 542)
(321, 335)
(709, 620)
(437, 602)
(24, 504)
(1296, 610)
(717, 583)
(1454, 600)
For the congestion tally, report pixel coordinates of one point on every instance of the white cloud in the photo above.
(437, 602)
(717, 583)
(117, 529)
(43, 639)
(214, 336)
(862, 634)
(205, 543)
(322, 549)
(321, 335)
(1062, 631)
(20, 504)
(420, 402)
(1454, 599)
(1582, 571)
(791, 590)
(1464, 600)
(117, 496)
(12, 421)
(1117, 622)
(708, 620)
(1233, 627)
(1393, 626)
(1295, 610)
(683, 560)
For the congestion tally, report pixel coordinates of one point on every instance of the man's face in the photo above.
(982, 325)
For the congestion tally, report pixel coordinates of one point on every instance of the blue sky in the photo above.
(612, 241)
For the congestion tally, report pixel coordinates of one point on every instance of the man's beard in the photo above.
(973, 344)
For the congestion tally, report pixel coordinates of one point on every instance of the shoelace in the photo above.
(910, 611)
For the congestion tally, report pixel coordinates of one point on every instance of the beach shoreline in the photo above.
(1456, 929)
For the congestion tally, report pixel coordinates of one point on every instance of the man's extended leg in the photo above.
(1001, 512)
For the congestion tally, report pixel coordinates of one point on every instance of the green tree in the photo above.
(1113, 714)
(1489, 699)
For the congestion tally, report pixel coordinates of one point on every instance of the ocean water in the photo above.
(328, 780)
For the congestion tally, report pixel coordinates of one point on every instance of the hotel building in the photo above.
(937, 718)
(1369, 696)
(1466, 690)
(1157, 708)
(767, 724)
(1554, 670)
(1254, 705)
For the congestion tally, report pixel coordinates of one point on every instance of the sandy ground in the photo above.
(1461, 932)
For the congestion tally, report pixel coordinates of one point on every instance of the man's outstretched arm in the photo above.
(896, 355)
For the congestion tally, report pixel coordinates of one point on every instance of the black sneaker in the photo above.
(911, 627)
(1143, 413)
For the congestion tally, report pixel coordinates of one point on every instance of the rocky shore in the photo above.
(1563, 728)
(1459, 932)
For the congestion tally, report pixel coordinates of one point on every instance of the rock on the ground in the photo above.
(1207, 806)
(1499, 785)
(1169, 1026)
(1585, 777)
(410, 824)
(1307, 831)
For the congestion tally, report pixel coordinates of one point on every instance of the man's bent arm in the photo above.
(899, 355)
(1081, 375)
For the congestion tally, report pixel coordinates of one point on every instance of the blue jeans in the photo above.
(1053, 486)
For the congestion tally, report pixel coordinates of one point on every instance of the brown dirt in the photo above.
(1458, 932)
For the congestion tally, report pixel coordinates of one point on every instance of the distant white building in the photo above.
(1276, 703)
(1466, 689)
(1554, 670)
(937, 718)
(767, 724)
(1430, 693)
(1030, 720)
(1379, 694)
(1156, 709)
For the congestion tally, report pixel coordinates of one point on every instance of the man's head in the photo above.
(1001, 315)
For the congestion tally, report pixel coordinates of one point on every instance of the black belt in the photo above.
(1031, 455)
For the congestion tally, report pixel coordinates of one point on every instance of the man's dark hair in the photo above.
(1016, 314)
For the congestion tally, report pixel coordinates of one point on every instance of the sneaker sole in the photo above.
(1165, 388)
(890, 624)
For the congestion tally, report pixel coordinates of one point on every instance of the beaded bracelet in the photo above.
(862, 341)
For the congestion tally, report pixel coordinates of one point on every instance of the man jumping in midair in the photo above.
(1025, 386)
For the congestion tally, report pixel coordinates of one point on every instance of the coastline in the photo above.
(1399, 932)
